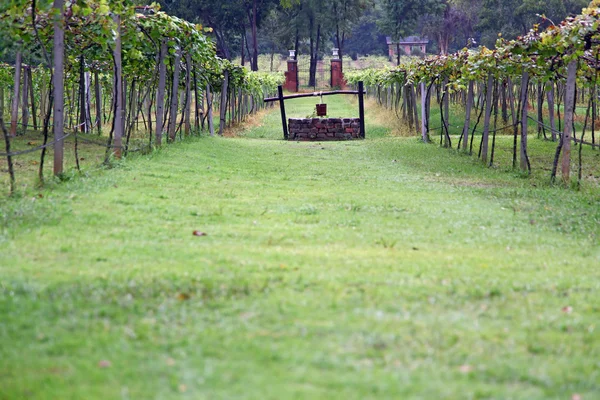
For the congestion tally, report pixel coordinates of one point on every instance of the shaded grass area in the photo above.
(383, 268)
(90, 151)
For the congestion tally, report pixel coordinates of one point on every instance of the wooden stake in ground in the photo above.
(59, 87)
(568, 113)
(32, 99)
(209, 110)
(550, 97)
(223, 104)
(524, 159)
(16, 94)
(424, 116)
(466, 128)
(486, 122)
(25, 99)
(98, 102)
(188, 93)
(174, 96)
(119, 110)
(160, 97)
(11, 171)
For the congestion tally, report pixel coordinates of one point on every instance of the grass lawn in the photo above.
(383, 268)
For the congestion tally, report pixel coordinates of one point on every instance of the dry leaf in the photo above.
(170, 362)
(465, 369)
(182, 388)
(183, 296)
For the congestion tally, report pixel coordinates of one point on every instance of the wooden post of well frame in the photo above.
(361, 108)
(282, 108)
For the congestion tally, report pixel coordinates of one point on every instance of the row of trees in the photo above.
(147, 63)
(553, 66)
(248, 27)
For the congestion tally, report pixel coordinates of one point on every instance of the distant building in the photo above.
(407, 45)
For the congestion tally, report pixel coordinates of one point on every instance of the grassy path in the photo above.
(375, 269)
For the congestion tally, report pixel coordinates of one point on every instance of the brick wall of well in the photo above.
(323, 129)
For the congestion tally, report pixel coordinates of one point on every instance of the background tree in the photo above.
(345, 14)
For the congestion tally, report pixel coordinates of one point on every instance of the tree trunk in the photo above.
(59, 86)
(296, 44)
(160, 97)
(16, 95)
(314, 55)
(254, 36)
(568, 113)
(243, 54)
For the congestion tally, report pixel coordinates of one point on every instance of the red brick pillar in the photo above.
(291, 76)
(337, 75)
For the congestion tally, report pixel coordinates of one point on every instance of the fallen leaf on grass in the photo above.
(104, 364)
(183, 296)
(170, 362)
(199, 233)
(31, 143)
(182, 388)
(465, 369)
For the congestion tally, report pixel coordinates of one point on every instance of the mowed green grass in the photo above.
(383, 268)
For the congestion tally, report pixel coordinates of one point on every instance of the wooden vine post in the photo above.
(223, 103)
(59, 81)
(466, 127)
(160, 97)
(188, 93)
(424, 116)
(119, 111)
(209, 110)
(174, 96)
(486, 122)
(524, 160)
(16, 93)
(568, 132)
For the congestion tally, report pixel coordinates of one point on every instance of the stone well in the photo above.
(324, 129)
